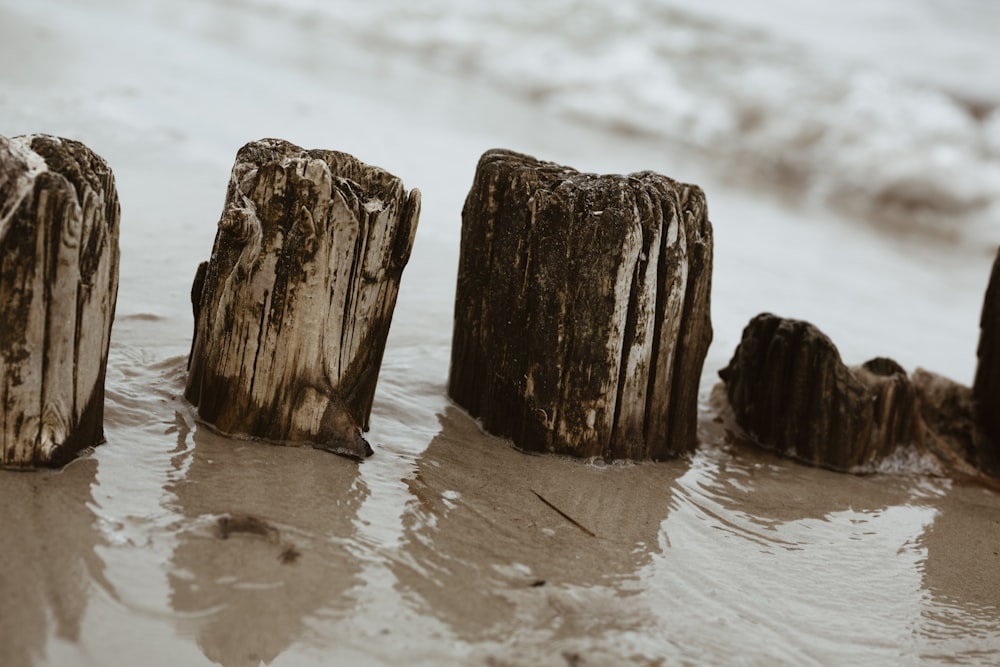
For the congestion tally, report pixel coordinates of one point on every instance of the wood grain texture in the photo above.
(293, 309)
(582, 309)
(790, 392)
(59, 256)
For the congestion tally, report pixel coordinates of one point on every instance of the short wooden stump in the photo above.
(59, 220)
(293, 309)
(582, 309)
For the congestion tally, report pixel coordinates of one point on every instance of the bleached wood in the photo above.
(59, 220)
(293, 309)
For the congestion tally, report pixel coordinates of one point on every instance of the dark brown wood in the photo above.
(949, 430)
(293, 309)
(59, 218)
(582, 310)
(790, 392)
(986, 387)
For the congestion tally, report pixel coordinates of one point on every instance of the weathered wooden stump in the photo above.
(986, 387)
(59, 255)
(582, 310)
(790, 391)
(293, 309)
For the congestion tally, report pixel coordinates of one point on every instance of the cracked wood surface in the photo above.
(582, 310)
(59, 255)
(293, 309)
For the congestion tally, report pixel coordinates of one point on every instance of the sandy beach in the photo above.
(438, 549)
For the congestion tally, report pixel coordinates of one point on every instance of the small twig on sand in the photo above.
(564, 515)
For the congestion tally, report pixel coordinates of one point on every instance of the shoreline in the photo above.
(429, 552)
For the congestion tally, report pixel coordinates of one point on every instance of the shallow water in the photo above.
(438, 550)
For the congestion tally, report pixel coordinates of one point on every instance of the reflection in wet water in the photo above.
(483, 566)
(795, 560)
(49, 567)
(440, 550)
(481, 548)
(820, 558)
(265, 544)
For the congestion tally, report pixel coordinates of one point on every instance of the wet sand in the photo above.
(438, 550)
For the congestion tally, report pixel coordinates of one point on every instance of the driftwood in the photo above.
(293, 309)
(582, 310)
(59, 257)
(790, 392)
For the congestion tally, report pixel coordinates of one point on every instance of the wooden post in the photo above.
(293, 309)
(790, 391)
(582, 310)
(59, 256)
(986, 388)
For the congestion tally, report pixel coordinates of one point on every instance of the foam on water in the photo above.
(888, 113)
(772, 99)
